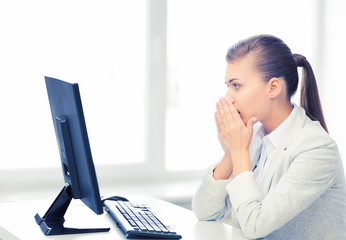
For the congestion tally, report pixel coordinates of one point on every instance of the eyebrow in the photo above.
(231, 80)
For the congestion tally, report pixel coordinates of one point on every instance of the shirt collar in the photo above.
(275, 136)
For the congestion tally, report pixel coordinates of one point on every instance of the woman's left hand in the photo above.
(235, 135)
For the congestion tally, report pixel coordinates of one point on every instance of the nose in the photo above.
(229, 94)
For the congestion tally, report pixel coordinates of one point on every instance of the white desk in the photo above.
(18, 218)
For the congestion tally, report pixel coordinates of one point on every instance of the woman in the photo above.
(281, 176)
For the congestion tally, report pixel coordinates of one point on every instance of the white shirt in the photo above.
(268, 144)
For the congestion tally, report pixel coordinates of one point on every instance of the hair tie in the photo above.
(300, 59)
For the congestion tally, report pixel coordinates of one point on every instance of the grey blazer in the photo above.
(303, 194)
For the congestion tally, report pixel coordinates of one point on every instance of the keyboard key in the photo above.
(157, 222)
(140, 225)
(163, 229)
(150, 228)
(148, 219)
(156, 228)
(121, 209)
(170, 229)
(132, 223)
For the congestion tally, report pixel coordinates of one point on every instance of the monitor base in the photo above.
(52, 223)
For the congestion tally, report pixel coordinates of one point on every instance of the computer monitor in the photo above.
(76, 159)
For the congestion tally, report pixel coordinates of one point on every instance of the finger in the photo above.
(234, 112)
(250, 124)
(220, 114)
(219, 134)
(216, 119)
(218, 126)
(225, 112)
(219, 122)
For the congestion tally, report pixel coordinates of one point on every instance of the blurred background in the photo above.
(150, 73)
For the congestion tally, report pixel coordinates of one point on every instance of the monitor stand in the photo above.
(52, 223)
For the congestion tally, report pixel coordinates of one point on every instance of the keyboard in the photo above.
(138, 221)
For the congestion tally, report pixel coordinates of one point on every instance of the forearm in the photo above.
(241, 162)
(238, 163)
(224, 169)
(209, 207)
(211, 202)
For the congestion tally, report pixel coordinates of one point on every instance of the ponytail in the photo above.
(309, 97)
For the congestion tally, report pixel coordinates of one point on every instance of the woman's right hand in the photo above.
(219, 136)
(225, 168)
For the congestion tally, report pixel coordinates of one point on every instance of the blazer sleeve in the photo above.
(312, 171)
(211, 201)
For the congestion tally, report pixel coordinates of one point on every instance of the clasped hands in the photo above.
(233, 134)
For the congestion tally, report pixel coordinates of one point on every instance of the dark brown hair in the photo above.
(275, 59)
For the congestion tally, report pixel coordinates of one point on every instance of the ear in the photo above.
(274, 87)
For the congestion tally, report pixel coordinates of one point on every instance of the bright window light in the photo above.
(98, 44)
(334, 74)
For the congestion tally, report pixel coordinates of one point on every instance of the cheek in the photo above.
(249, 104)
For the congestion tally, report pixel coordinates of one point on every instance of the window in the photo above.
(159, 122)
(100, 45)
(199, 35)
(334, 84)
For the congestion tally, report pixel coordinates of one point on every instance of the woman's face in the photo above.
(247, 88)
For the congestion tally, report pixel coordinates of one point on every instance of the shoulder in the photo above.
(308, 134)
(312, 152)
(316, 146)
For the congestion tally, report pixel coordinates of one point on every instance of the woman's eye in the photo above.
(236, 86)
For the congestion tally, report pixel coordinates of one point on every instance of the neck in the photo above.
(278, 114)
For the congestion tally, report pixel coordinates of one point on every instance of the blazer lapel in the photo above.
(281, 152)
(255, 148)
